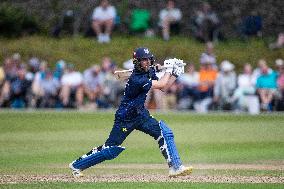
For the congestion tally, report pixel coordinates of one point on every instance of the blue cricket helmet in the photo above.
(142, 53)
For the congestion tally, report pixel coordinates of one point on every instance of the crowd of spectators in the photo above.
(35, 85)
(211, 87)
(204, 24)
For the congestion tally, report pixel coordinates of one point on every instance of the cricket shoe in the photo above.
(75, 172)
(181, 171)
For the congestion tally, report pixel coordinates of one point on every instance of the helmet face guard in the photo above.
(140, 54)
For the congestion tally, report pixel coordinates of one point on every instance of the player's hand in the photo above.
(169, 65)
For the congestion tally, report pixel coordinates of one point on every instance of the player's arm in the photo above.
(161, 83)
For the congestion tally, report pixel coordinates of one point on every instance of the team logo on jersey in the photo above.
(146, 51)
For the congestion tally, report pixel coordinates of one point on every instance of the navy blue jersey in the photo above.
(135, 93)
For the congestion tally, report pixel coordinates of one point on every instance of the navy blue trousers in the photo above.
(121, 129)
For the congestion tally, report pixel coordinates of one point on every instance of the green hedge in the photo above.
(14, 21)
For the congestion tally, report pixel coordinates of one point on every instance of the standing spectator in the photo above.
(245, 95)
(206, 24)
(92, 84)
(266, 86)
(187, 88)
(207, 77)
(170, 19)
(209, 56)
(225, 85)
(103, 20)
(72, 87)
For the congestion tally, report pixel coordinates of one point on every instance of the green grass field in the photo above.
(43, 143)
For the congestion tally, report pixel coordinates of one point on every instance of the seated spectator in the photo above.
(187, 88)
(169, 19)
(128, 64)
(59, 69)
(72, 88)
(266, 86)
(19, 89)
(206, 24)
(209, 56)
(245, 95)
(11, 67)
(280, 85)
(140, 19)
(251, 25)
(207, 77)
(65, 25)
(257, 71)
(225, 85)
(111, 87)
(103, 21)
(279, 42)
(92, 84)
(50, 90)
(2, 80)
(36, 84)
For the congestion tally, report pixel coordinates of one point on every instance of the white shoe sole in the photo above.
(186, 171)
(75, 172)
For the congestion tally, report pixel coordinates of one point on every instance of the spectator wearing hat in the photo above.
(225, 85)
(72, 87)
(103, 21)
(245, 96)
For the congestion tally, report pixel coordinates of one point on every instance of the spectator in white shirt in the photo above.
(71, 82)
(103, 20)
(169, 19)
(92, 84)
(245, 94)
(208, 56)
(187, 87)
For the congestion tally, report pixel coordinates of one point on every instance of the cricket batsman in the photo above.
(132, 115)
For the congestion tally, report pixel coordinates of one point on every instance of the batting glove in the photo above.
(169, 65)
(177, 71)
